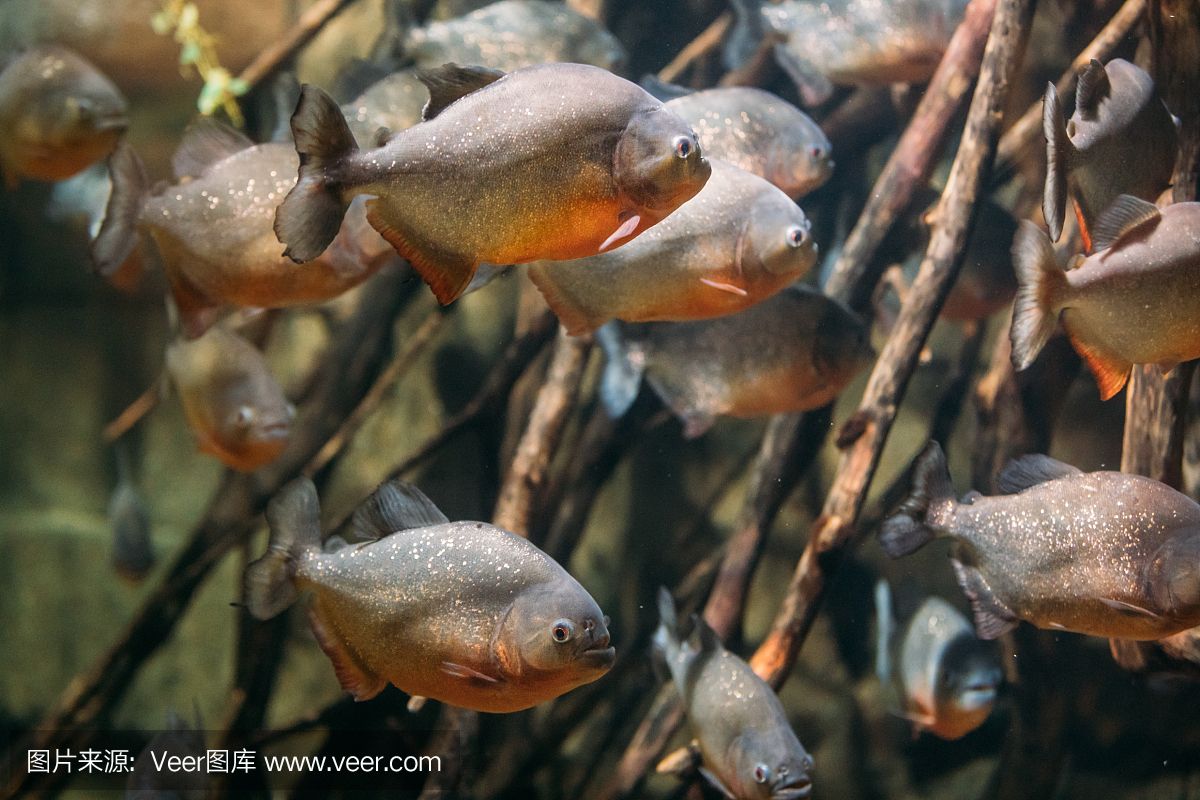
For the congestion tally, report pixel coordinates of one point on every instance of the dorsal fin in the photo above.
(1021, 473)
(394, 506)
(450, 82)
(205, 142)
(1126, 214)
(705, 636)
(1093, 87)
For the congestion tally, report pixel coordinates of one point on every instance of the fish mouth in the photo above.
(599, 657)
(274, 430)
(796, 790)
(114, 122)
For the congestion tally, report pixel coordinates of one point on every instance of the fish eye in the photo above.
(245, 415)
(683, 146)
(796, 236)
(762, 773)
(563, 630)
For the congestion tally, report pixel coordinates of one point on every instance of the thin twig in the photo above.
(300, 34)
(909, 166)
(134, 413)
(404, 359)
(833, 532)
(704, 43)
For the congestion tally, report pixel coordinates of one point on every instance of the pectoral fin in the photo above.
(416, 703)
(724, 287)
(626, 228)
(468, 674)
(1128, 609)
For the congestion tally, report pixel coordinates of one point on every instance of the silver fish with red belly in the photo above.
(736, 243)
(461, 612)
(58, 115)
(213, 229)
(750, 750)
(1120, 140)
(555, 162)
(1100, 553)
(1135, 301)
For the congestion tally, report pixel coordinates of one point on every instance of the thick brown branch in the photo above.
(308, 26)
(833, 532)
(133, 414)
(707, 41)
(909, 166)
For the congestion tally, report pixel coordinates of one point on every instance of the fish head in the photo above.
(777, 238)
(968, 678)
(771, 766)
(800, 167)
(256, 430)
(1174, 574)
(78, 112)
(657, 162)
(557, 629)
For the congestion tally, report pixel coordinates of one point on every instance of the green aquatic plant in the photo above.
(199, 52)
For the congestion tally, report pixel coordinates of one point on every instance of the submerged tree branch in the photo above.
(833, 533)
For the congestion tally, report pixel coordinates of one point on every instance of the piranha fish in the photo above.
(233, 404)
(1100, 553)
(792, 352)
(760, 133)
(749, 749)
(846, 42)
(550, 162)
(58, 115)
(213, 229)
(1132, 302)
(1120, 140)
(132, 549)
(737, 242)
(461, 612)
(513, 34)
(946, 676)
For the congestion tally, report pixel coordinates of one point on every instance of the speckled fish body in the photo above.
(58, 115)
(1135, 301)
(516, 33)
(1120, 140)
(232, 403)
(846, 42)
(393, 103)
(749, 749)
(792, 352)
(1101, 553)
(737, 242)
(946, 676)
(760, 133)
(213, 229)
(462, 612)
(550, 162)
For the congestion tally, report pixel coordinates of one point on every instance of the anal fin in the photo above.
(1111, 371)
(993, 619)
(356, 679)
(446, 275)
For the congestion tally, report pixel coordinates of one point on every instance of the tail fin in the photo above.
(914, 524)
(309, 217)
(884, 623)
(1041, 286)
(118, 236)
(1059, 153)
(666, 637)
(622, 375)
(747, 35)
(293, 516)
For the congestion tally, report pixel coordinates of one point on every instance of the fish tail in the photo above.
(925, 510)
(1041, 287)
(883, 630)
(666, 637)
(747, 35)
(622, 375)
(117, 238)
(293, 516)
(1059, 154)
(311, 214)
